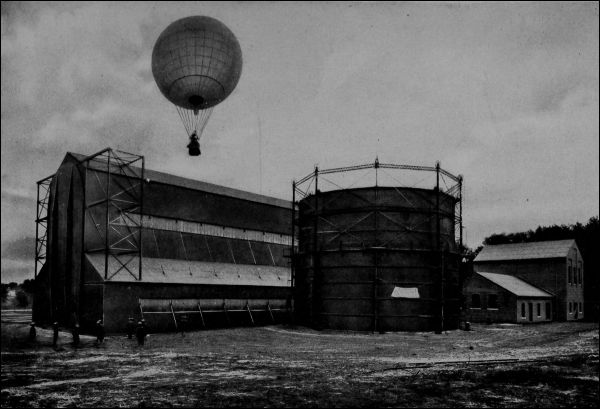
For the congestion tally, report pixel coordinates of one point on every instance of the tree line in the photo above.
(587, 237)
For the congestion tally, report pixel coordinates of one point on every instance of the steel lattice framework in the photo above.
(122, 205)
(41, 223)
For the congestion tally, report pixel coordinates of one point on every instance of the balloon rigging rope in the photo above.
(183, 117)
(193, 122)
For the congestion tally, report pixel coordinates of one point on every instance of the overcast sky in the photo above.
(504, 94)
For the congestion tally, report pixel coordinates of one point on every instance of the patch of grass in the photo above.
(272, 368)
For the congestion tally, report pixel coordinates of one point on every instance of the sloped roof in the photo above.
(166, 178)
(170, 271)
(515, 285)
(523, 251)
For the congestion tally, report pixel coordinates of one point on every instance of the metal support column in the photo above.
(439, 250)
(293, 229)
(292, 249)
(142, 181)
(107, 221)
(460, 208)
(315, 279)
(376, 255)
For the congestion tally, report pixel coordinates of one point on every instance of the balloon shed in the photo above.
(116, 240)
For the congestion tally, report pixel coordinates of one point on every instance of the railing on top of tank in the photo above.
(304, 185)
(411, 176)
(435, 178)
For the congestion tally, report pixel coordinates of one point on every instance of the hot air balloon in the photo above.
(196, 63)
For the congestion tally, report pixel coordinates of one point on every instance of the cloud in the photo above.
(20, 193)
(21, 249)
(16, 270)
(506, 95)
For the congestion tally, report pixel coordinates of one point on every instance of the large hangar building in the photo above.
(115, 240)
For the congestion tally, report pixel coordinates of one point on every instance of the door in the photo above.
(530, 311)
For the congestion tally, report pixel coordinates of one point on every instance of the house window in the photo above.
(570, 273)
(539, 310)
(492, 301)
(570, 307)
(580, 275)
(548, 311)
(580, 307)
(522, 310)
(475, 301)
(574, 275)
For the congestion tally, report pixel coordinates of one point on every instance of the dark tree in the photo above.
(22, 300)
(4, 291)
(28, 286)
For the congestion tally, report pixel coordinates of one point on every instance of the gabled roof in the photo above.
(170, 271)
(515, 285)
(166, 178)
(523, 251)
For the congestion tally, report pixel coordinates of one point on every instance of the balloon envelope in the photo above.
(196, 62)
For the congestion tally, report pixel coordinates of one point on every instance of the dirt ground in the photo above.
(550, 365)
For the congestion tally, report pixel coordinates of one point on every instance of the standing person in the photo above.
(99, 332)
(140, 333)
(130, 328)
(55, 334)
(183, 320)
(32, 332)
(76, 335)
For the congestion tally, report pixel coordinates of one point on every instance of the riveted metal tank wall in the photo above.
(374, 259)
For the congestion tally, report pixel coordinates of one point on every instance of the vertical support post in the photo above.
(83, 220)
(292, 251)
(142, 181)
(141, 309)
(376, 165)
(439, 249)
(37, 233)
(376, 255)
(316, 280)
(106, 225)
(460, 208)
